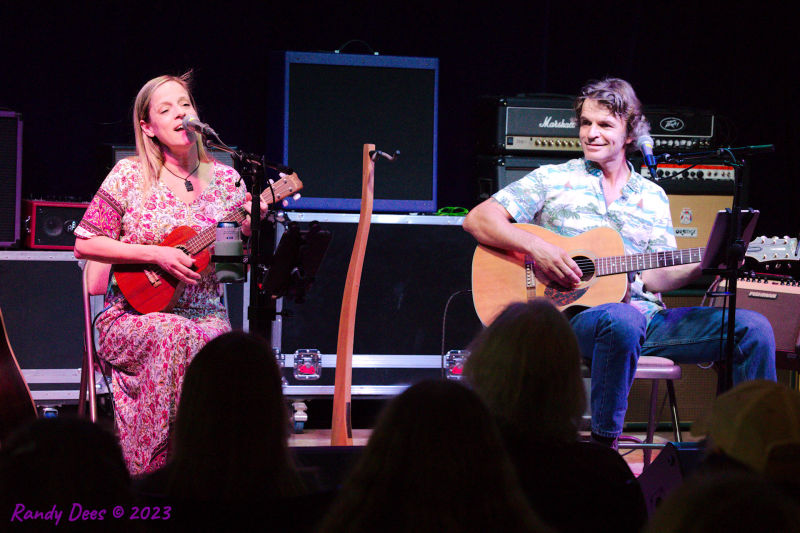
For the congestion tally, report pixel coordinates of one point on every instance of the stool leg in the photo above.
(651, 422)
(82, 393)
(673, 404)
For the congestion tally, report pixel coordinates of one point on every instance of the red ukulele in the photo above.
(149, 289)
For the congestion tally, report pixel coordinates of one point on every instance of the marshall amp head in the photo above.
(528, 124)
(680, 130)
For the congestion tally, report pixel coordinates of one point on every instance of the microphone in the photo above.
(645, 145)
(192, 123)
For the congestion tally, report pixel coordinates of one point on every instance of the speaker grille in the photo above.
(10, 165)
(52, 224)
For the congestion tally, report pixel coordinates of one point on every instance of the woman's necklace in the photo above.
(186, 182)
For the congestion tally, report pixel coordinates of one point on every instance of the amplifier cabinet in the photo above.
(40, 294)
(323, 107)
(413, 266)
(780, 303)
(497, 171)
(51, 225)
(693, 216)
(10, 176)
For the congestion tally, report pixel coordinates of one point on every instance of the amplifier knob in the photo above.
(699, 174)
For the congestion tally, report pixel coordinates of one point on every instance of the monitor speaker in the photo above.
(675, 462)
(10, 176)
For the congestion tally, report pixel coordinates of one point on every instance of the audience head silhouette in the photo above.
(60, 461)
(527, 368)
(726, 501)
(232, 425)
(434, 462)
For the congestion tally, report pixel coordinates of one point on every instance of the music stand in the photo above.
(726, 246)
(717, 248)
(296, 261)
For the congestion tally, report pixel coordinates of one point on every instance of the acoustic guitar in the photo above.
(16, 403)
(149, 289)
(501, 277)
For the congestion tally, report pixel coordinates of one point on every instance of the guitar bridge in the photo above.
(153, 278)
(530, 277)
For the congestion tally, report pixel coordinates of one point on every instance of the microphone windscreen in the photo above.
(644, 142)
(188, 121)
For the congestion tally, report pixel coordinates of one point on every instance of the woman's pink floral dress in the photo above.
(149, 353)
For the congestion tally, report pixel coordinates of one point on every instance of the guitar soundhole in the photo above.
(586, 265)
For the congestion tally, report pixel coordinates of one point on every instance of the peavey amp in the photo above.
(527, 124)
(680, 129)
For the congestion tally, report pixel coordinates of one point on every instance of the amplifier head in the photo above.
(680, 129)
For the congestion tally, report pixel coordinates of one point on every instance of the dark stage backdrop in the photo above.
(72, 69)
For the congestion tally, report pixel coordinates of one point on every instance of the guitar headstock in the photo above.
(773, 249)
(283, 187)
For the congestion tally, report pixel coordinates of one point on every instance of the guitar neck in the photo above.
(276, 192)
(606, 266)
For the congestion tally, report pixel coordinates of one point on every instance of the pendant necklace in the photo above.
(186, 182)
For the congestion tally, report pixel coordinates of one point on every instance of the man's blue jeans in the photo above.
(613, 336)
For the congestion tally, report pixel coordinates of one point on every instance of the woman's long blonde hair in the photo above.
(148, 149)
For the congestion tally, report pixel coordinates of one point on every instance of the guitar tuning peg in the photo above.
(296, 196)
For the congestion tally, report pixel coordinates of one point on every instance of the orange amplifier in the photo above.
(779, 301)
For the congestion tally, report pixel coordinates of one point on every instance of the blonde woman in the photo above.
(170, 182)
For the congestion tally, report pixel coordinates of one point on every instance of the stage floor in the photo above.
(634, 458)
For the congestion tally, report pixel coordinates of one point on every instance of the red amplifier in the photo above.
(51, 225)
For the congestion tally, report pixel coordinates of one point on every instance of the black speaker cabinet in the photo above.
(40, 293)
(495, 172)
(51, 225)
(324, 107)
(10, 176)
(413, 266)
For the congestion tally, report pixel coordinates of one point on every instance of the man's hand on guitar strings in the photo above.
(177, 264)
(555, 264)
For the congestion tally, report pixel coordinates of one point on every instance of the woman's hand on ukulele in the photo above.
(177, 264)
(248, 204)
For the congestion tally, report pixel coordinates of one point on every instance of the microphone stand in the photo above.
(261, 311)
(736, 246)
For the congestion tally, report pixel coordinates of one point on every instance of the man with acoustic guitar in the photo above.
(603, 190)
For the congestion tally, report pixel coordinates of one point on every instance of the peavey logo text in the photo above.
(671, 124)
(548, 122)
